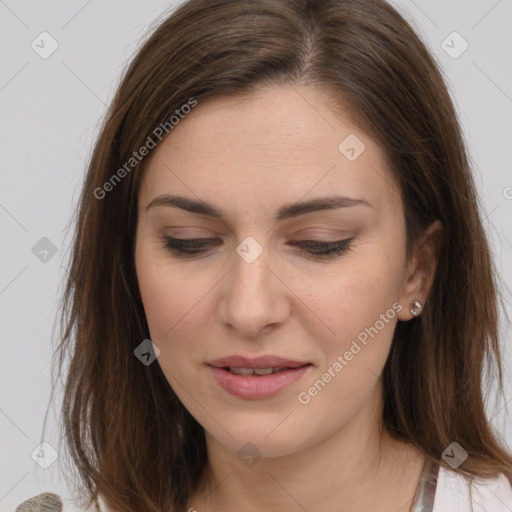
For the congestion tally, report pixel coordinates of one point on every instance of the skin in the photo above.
(249, 156)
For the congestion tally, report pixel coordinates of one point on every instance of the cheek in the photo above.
(163, 296)
(361, 308)
(174, 303)
(355, 295)
(359, 302)
(167, 303)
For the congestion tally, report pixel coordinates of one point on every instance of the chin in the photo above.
(256, 442)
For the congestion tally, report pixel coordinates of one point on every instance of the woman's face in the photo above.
(256, 289)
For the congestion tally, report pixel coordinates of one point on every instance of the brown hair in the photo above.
(131, 440)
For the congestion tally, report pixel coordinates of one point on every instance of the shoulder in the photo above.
(456, 493)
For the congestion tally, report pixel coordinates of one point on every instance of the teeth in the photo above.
(257, 371)
(263, 371)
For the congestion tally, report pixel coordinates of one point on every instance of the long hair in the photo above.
(131, 441)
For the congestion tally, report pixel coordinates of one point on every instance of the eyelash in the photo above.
(193, 246)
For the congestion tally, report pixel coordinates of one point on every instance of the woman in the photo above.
(280, 292)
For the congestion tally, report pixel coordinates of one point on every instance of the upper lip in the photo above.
(256, 362)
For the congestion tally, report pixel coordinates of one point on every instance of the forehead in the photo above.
(278, 143)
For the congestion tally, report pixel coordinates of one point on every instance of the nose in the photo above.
(254, 297)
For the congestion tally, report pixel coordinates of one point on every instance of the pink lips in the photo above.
(254, 386)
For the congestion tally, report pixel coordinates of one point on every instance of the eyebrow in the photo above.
(287, 211)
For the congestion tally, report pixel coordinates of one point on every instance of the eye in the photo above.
(315, 248)
(324, 249)
(189, 245)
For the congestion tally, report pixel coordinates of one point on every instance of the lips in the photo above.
(237, 375)
(260, 362)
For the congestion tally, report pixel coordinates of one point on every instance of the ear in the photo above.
(420, 270)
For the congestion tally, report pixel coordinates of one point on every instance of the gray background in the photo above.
(50, 114)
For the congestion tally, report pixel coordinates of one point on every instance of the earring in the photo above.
(416, 308)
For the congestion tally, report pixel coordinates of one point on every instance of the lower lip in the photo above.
(253, 387)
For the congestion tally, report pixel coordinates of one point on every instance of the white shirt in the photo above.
(455, 494)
